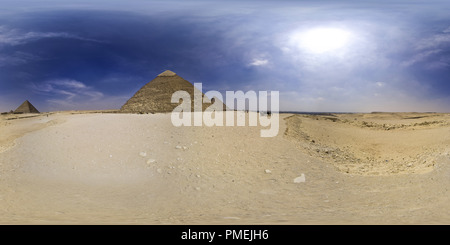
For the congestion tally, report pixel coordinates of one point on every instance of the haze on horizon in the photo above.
(322, 56)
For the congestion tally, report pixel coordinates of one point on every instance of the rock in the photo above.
(178, 147)
(267, 171)
(150, 161)
(300, 179)
(185, 148)
(159, 170)
(143, 154)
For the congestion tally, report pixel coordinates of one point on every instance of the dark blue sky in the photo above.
(355, 56)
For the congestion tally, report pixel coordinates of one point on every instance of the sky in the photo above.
(322, 56)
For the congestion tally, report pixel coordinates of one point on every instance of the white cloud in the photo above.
(259, 62)
(422, 56)
(68, 83)
(446, 30)
(68, 90)
(15, 37)
(429, 48)
(17, 58)
(434, 42)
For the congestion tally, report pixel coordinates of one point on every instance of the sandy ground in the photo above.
(106, 168)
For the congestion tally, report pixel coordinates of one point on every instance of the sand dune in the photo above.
(108, 168)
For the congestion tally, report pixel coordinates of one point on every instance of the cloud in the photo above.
(68, 84)
(17, 58)
(446, 30)
(16, 37)
(70, 94)
(259, 62)
(68, 90)
(431, 51)
(420, 57)
(434, 42)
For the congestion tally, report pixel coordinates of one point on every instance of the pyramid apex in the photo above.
(167, 73)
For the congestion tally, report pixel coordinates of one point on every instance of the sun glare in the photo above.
(322, 40)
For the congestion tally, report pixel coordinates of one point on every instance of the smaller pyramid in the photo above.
(26, 107)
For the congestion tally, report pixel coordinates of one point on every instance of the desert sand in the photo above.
(113, 168)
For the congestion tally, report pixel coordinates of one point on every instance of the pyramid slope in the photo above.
(26, 107)
(155, 96)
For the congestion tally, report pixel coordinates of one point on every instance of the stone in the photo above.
(300, 179)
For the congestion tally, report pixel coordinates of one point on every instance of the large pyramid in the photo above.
(155, 96)
(26, 107)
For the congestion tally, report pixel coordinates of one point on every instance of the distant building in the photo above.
(26, 107)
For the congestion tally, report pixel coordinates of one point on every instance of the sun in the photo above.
(322, 40)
